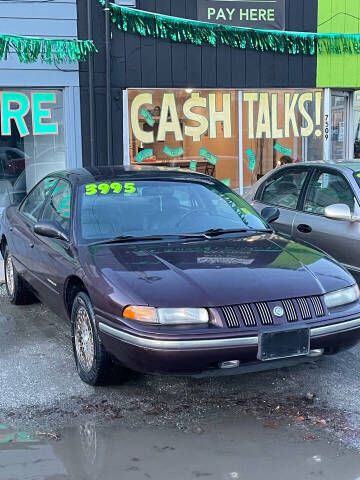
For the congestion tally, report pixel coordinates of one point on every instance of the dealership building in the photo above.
(231, 112)
(234, 113)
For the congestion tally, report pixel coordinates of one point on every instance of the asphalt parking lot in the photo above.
(40, 387)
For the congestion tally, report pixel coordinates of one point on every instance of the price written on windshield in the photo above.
(109, 188)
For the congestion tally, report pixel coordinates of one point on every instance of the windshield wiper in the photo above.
(214, 232)
(128, 238)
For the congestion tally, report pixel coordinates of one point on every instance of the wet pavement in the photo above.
(240, 449)
(296, 423)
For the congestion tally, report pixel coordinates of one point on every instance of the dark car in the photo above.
(169, 271)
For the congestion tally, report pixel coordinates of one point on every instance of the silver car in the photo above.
(319, 204)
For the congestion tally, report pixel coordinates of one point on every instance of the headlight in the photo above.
(167, 316)
(342, 297)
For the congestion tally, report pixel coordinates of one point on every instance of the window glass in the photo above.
(57, 208)
(328, 189)
(32, 140)
(186, 128)
(356, 116)
(284, 190)
(280, 127)
(34, 203)
(110, 209)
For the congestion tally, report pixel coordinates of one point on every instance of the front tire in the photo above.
(92, 360)
(18, 292)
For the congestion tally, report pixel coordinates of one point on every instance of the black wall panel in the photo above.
(145, 62)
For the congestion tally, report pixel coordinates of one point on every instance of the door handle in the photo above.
(304, 228)
(31, 245)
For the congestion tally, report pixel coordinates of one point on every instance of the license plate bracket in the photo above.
(280, 344)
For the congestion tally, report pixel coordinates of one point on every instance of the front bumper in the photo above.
(203, 356)
(215, 342)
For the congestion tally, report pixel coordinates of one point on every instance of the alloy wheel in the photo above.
(10, 276)
(84, 340)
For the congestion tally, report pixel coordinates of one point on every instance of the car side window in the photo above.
(57, 209)
(34, 202)
(283, 190)
(328, 189)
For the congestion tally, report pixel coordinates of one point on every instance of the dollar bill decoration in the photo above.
(227, 182)
(173, 152)
(210, 157)
(281, 149)
(252, 159)
(144, 154)
(148, 117)
(193, 165)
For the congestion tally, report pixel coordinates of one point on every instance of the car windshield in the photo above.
(110, 209)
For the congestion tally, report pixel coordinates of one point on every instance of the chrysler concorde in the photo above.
(168, 271)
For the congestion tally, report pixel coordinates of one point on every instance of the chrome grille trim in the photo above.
(264, 313)
(304, 308)
(247, 315)
(317, 306)
(230, 317)
(290, 311)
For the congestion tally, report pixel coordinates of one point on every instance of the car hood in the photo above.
(212, 272)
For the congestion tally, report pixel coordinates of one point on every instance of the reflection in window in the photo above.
(26, 157)
(284, 190)
(328, 189)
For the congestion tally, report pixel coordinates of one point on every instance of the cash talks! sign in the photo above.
(169, 121)
(270, 115)
(295, 114)
(15, 107)
(266, 14)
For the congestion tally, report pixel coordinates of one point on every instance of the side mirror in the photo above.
(340, 211)
(50, 230)
(270, 214)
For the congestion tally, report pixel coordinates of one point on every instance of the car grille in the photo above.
(253, 314)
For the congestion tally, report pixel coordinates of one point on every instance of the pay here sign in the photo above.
(266, 14)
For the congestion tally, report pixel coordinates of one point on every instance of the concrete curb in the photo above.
(2, 277)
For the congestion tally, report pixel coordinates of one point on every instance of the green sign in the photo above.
(106, 188)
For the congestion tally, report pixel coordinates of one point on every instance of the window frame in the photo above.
(47, 201)
(309, 173)
(321, 170)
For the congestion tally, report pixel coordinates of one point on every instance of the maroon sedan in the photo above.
(168, 271)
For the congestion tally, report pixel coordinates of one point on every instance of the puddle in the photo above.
(238, 449)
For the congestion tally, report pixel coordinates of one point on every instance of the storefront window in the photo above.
(32, 140)
(194, 129)
(280, 127)
(357, 124)
(339, 109)
(199, 129)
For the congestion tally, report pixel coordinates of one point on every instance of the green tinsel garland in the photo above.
(201, 33)
(32, 49)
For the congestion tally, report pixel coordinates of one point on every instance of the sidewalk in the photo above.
(2, 278)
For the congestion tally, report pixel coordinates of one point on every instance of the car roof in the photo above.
(136, 172)
(353, 165)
